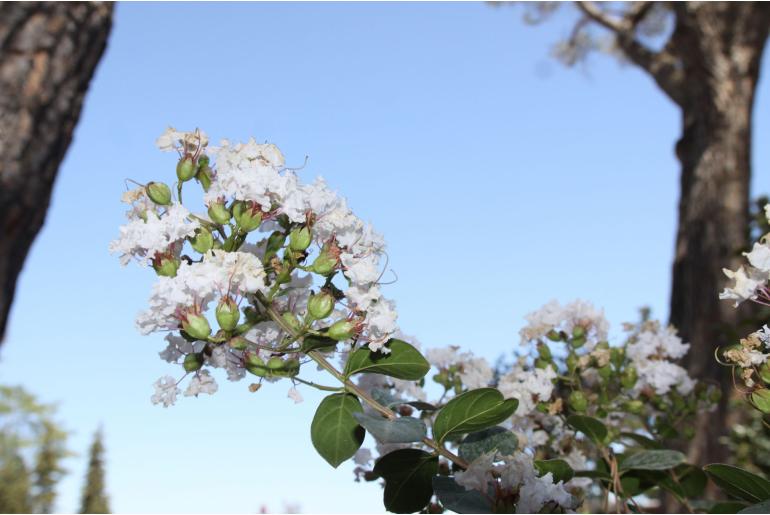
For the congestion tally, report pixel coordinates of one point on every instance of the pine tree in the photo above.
(48, 470)
(14, 478)
(94, 498)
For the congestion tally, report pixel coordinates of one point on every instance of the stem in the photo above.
(351, 386)
(318, 386)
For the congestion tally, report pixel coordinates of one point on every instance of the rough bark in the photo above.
(48, 54)
(720, 47)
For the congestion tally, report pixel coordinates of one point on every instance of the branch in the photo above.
(663, 66)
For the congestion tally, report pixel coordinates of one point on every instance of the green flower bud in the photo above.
(578, 331)
(204, 174)
(238, 343)
(196, 326)
(300, 238)
(341, 330)
(275, 363)
(578, 341)
(542, 364)
(458, 385)
(291, 321)
(159, 193)
(203, 241)
(572, 362)
(635, 406)
(605, 372)
(544, 351)
(289, 368)
(248, 215)
(254, 364)
(629, 377)
(193, 362)
(204, 160)
(165, 265)
(761, 399)
(603, 345)
(553, 335)
(219, 213)
(227, 314)
(321, 305)
(185, 168)
(578, 401)
(442, 378)
(617, 355)
(325, 263)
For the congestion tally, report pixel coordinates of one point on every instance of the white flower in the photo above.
(537, 491)
(528, 386)
(759, 257)
(553, 316)
(165, 391)
(663, 375)
(475, 373)
(295, 395)
(172, 140)
(202, 382)
(746, 284)
(478, 474)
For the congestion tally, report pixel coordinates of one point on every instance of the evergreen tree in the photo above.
(14, 478)
(48, 470)
(94, 498)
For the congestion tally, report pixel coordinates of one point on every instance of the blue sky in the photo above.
(500, 179)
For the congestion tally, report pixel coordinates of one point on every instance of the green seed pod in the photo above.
(635, 406)
(227, 314)
(291, 321)
(542, 364)
(341, 330)
(238, 343)
(275, 363)
(203, 241)
(544, 351)
(617, 355)
(165, 265)
(442, 378)
(159, 193)
(204, 174)
(300, 238)
(605, 372)
(254, 364)
(629, 377)
(196, 326)
(185, 168)
(219, 213)
(553, 335)
(321, 305)
(578, 331)
(578, 342)
(761, 400)
(248, 215)
(458, 385)
(193, 362)
(290, 368)
(325, 263)
(572, 362)
(578, 401)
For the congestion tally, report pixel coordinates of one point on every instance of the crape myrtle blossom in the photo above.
(577, 315)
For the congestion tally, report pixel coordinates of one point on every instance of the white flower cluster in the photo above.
(750, 281)
(555, 317)
(159, 233)
(529, 386)
(474, 372)
(650, 352)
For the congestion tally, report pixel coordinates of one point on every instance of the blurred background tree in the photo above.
(94, 499)
(705, 56)
(48, 54)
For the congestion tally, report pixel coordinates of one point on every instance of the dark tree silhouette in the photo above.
(48, 53)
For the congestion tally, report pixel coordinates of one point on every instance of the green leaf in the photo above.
(386, 399)
(335, 432)
(400, 430)
(690, 481)
(559, 468)
(403, 362)
(408, 475)
(590, 427)
(472, 411)
(314, 342)
(739, 483)
(647, 443)
(662, 459)
(456, 498)
(762, 507)
(481, 442)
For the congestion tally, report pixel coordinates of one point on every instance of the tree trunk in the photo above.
(48, 53)
(720, 46)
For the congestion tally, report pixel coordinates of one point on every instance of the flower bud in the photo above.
(544, 351)
(442, 378)
(291, 321)
(159, 193)
(193, 362)
(325, 263)
(227, 314)
(219, 213)
(542, 364)
(254, 364)
(185, 168)
(629, 378)
(248, 215)
(341, 330)
(275, 363)
(165, 264)
(320, 305)
(605, 372)
(635, 406)
(238, 343)
(300, 238)
(204, 172)
(578, 331)
(761, 400)
(553, 335)
(196, 326)
(203, 241)
(572, 362)
(617, 355)
(578, 341)
(578, 401)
